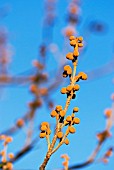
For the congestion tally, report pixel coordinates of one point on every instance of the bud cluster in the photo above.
(59, 112)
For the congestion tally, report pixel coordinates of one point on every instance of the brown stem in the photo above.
(49, 153)
(59, 125)
(66, 134)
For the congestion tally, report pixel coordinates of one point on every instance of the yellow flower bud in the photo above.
(76, 109)
(66, 141)
(9, 166)
(72, 38)
(33, 88)
(76, 87)
(109, 153)
(60, 135)
(80, 45)
(69, 88)
(69, 71)
(58, 108)
(11, 155)
(66, 67)
(80, 38)
(45, 123)
(2, 153)
(108, 113)
(69, 56)
(83, 75)
(73, 42)
(72, 129)
(42, 135)
(8, 139)
(63, 90)
(68, 118)
(62, 113)
(20, 123)
(53, 113)
(43, 127)
(76, 120)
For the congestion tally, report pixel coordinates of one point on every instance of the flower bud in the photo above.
(69, 56)
(73, 42)
(53, 113)
(42, 134)
(66, 141)
(72, 129)
(80, 45)
(76, 120)
(60, 135)
(76, 87)
(76, 109)
(68, 118)
(63, 90)
(80, 39)
(43, 128)
(58, 108)
(69, 88)
(72, 38)
(62, 113)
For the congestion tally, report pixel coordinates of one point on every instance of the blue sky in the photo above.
(24, 24)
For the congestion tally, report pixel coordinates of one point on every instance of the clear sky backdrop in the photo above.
(24, 24)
